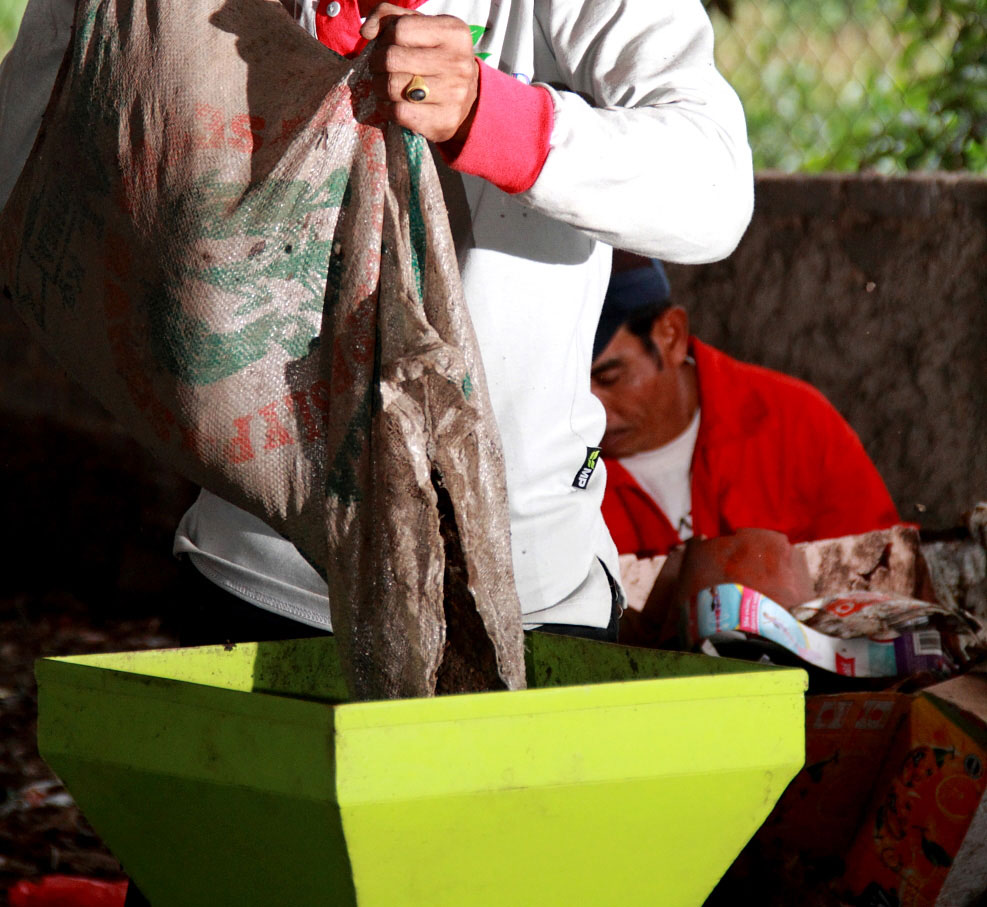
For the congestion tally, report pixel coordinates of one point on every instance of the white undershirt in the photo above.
(665, 474)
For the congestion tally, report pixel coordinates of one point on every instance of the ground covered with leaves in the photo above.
(41, 829)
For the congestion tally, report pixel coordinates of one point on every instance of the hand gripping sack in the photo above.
(216, 237)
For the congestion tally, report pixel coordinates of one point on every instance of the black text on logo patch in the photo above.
(586, 470)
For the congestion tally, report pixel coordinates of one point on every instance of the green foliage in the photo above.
(888, 85)
(953, 132)
(10, 20)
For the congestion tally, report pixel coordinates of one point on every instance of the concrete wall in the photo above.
(875, 290)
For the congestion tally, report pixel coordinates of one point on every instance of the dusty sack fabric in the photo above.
(215, 237)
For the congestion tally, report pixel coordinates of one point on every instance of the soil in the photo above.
(469, 661)
(41, 829)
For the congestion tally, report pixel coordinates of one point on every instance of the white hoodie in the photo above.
(648, 152)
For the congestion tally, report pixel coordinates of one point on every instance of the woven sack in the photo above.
(215, 236)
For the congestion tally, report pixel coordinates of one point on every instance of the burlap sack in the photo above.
(215, 236)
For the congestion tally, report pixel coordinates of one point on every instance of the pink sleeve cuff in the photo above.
(509, 139)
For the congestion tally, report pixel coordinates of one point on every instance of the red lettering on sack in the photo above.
(361, 337)
(311, 408)
(845, 666)
(297, 403)
(139, 390)
(337, 107)
(353, 345)
(319, 394)
(118, 258)
(194, 441)
(161, 418)
(177, 143)
(342, 377)
(239, 449)
(234, 450)
(117, 306)
(212, 131)
(277, 434)
(247, 131)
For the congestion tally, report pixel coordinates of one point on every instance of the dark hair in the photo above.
(638, 294)
(641, 322)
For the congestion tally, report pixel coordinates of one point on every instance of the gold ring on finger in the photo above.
(416, 90)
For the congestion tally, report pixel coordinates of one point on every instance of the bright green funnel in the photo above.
(242, 777)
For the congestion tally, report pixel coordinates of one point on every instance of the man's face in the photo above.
(641, 394)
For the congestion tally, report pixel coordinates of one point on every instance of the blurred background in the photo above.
(847, 85)
(840, 85)
(10, 17)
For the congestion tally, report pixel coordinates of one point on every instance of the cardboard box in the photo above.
(847, 736)
(886, 560)
(923, 841)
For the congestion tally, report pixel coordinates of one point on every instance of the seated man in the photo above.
(700, 444)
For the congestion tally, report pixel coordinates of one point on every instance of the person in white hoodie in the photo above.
(562, 128)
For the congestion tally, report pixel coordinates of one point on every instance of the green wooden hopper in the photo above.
(242, 776)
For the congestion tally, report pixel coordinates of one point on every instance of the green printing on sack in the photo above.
(183, 344)
(187, 349)
(342, 481)
(414, 146)
(227, 210)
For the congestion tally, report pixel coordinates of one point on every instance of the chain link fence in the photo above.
(845, 85)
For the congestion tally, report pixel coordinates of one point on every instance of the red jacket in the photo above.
(772, 453)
